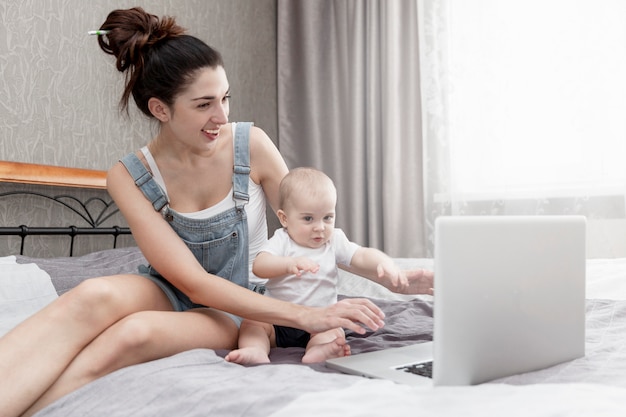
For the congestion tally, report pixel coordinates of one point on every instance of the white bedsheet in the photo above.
(24, 289)
(385, 398)
(606, 279)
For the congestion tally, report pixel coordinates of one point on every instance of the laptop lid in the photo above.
(509, 295)
(509, 298)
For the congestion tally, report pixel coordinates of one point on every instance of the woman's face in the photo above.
(201, 110)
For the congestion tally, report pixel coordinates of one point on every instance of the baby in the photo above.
(300, 263)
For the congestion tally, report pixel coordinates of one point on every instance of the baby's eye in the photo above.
(226, 98)
(308, 218)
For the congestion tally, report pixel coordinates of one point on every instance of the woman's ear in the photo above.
(159, 109)
(282, 217)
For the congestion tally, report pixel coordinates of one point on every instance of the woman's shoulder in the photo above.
(135, 158)
(265, 159)
(259, 141)
(258, 137)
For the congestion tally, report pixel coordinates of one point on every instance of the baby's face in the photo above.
(310, 223)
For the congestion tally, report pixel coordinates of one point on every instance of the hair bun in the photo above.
(132, 32)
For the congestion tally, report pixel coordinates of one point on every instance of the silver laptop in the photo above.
(509, 298)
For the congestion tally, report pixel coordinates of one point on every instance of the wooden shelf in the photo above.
(24, 173)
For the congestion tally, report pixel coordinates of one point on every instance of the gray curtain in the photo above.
(349, 104)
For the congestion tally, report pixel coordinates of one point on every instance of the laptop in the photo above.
(509, 298)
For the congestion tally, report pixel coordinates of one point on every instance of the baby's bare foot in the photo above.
(248, 356)
(319, 353)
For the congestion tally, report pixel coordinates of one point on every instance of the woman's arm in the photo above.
(267, 166)
(170, 256)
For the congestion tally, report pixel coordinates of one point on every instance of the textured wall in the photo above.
(59, 92)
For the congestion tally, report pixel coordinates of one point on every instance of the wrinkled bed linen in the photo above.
(194, 383)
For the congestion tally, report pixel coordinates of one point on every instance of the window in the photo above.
(534, 97)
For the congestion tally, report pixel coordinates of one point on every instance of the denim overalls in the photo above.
(219, 243)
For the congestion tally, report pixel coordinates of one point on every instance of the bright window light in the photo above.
(537, 96)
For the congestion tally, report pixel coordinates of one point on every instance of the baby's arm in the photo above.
(267, 265)
(379, 267)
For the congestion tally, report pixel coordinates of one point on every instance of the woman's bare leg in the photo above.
(35, 353)
(142, 337)
(255, 340)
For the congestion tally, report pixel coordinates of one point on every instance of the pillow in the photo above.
(24, 289)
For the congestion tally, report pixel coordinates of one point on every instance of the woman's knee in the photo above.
(127, 342)
(93, 300)
(133, 333)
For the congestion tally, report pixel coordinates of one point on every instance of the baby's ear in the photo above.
(282, 217)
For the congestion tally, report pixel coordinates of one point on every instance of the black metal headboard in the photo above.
(94, 214)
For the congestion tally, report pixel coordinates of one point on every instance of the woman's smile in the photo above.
(211, 134)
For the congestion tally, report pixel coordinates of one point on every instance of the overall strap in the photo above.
(144, 180)
(241, 172)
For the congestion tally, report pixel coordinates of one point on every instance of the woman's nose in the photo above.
(221, 114)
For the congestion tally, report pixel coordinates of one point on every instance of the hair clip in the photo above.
(98, 32)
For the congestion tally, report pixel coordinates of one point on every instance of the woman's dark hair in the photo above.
(158, 58)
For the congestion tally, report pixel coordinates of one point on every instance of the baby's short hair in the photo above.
(304, 179)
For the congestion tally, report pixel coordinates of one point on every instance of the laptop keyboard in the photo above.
(421, 369)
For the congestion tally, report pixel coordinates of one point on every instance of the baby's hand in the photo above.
(394, 278)
(301, 265)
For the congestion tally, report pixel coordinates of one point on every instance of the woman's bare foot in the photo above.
(319, 353)
(248, 356)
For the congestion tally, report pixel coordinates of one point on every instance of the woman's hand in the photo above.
(351, 313)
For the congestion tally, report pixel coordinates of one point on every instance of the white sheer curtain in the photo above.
(349, 104)
(524, 107)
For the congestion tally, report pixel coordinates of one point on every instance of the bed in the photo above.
(201, 383)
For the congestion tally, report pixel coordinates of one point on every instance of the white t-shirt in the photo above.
(315, 290)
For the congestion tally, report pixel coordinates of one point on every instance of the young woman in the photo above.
(200, 184)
